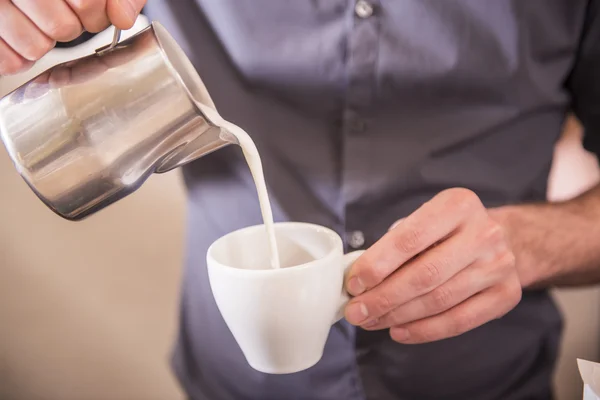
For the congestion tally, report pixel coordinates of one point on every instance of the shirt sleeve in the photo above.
(584, 80)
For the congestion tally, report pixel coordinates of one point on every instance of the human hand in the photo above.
(442, 271)
(30, 28)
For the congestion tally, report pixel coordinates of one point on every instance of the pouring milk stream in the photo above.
(255, 164)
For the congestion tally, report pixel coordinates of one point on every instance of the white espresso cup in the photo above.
(280, 318)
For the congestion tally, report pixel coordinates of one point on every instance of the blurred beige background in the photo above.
(88, 309)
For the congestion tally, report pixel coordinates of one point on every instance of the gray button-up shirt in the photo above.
(362, 111)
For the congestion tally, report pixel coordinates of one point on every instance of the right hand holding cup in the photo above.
(30, 28)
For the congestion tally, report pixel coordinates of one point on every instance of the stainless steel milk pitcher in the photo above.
(86, 133)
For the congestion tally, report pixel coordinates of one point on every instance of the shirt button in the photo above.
(363, 9)
(356, 240)
(353, 123)
(358, 126)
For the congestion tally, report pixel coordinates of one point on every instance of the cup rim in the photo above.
(336, 247)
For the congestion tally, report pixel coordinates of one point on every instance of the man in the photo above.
(440, 113)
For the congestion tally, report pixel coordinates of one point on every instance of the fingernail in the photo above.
(400, 334)
(355, 286)
(356, 313)
(129, 8)
(371, 323)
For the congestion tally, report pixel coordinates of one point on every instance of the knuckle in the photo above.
(394, 337)
(63, 30)
(514, 292)
(427, 276)
(96, 27)
(369, 276)
(503, 263)
(468, 197)
(508, 259)
(518, 294)
(34, 51)
(463, 322)
(420, 335)
(408, 241)
(441, 298)
(396, 317)
(462, 199)
(92, 14)
(82, 6)
(426, 333)
(12, 68)
(432, 336)
(494, 233)
(382, 305)
(511, 295)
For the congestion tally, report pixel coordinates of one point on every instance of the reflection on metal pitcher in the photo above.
(88, 132)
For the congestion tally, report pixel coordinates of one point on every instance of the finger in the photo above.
(60, 76)
(395, 224)
(490, 304)
(10, 61)
(418, 277)
(91, 13)
(53, 17)
(123, 13)
(42, 79)
(432, 222)
(481, 275)
(21, 34)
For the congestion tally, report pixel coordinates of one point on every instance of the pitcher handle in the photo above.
(109, 47)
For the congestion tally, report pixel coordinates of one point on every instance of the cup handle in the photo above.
(109, 47)
(347, 261)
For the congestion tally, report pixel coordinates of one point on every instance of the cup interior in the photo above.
(299, 244)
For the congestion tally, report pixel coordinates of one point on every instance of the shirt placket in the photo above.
(362, 45)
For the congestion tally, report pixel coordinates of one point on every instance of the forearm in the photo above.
(555, 244)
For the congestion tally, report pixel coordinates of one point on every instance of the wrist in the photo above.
(555, 244)
(526, 232)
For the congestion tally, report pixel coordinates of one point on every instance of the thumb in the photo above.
(123, 13)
